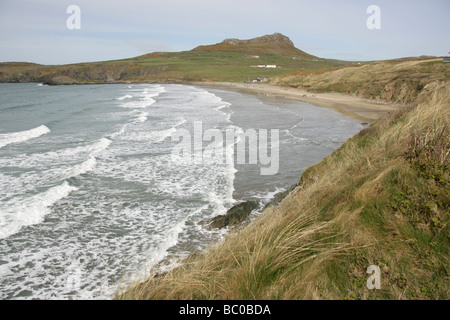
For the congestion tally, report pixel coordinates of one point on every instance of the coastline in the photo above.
(339, 218)
(358, 108)
(352, 106)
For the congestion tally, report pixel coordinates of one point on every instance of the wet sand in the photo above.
(355, 107)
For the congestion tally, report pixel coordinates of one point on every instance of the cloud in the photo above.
(64, 50)
(113, 29)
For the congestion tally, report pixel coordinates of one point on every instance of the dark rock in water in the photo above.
(365, 123)
(60, 80)
(234, 216)
(277, 198)
(281, 195)
(160, 274)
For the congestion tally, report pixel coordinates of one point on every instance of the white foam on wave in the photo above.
(158, 136)
(142, 103)
(145, 98)
(22, 210)
(99, 146)
(142, 117)
(230, 170)
(148, 136)
(68, 154)
(269, 195)
(227, 115)
(19, 212)
(81, 168)
(289, 134)
(178, 122)
(156, 91)
(210, 99)
(127, 96)
(152, 136)
(288, 131)
(22, 136)
(118, 133)
(17, 186)
(157, 251)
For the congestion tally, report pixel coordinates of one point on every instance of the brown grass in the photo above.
(397, 81)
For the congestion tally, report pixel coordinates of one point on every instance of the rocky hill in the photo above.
(230, 60)
(274, 44)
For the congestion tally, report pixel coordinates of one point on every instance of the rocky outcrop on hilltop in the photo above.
(273, 44)
(268, 39)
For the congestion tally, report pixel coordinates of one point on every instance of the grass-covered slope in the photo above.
(395, 81)
(235, 61)
(381, 199)
(164, 67)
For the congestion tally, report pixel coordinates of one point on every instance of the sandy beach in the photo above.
(355, 107)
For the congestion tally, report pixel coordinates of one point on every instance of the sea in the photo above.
(92, 198)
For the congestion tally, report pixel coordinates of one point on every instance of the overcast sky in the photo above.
(36, 31)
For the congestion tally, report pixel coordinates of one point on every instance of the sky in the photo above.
(37, 31)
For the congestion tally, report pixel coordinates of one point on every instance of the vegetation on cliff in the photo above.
(394, 81)
(381, 199)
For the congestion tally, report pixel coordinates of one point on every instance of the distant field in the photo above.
(229, 66)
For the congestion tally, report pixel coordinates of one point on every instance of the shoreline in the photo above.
(357, 108)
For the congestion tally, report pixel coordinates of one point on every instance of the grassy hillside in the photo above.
(397, 81)
(166, 67)
(231, 62)
(381, 199)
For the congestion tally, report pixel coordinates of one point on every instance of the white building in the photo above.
(266, 66)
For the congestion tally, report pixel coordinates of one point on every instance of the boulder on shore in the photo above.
(234, 216)
(60, 80)
(277, 198)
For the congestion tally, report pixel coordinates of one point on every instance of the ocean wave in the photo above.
(148, 136)
(92, 149)
(60, 156)
(22, 136)
(13, 185)
(118, 133)
(21, 212)
(288, 133)
(127, 96)
(178, 122)
(142, 117)
(142, 103)
(145, 98)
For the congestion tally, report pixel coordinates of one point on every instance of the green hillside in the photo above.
(237, 61)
